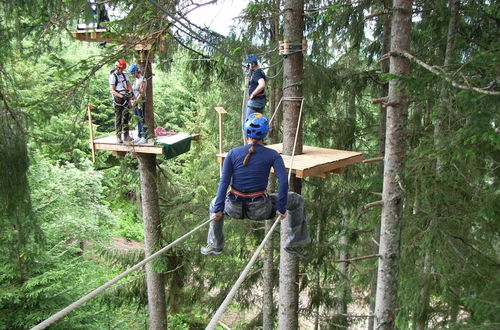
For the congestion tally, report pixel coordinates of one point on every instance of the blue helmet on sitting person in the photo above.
(256, 126)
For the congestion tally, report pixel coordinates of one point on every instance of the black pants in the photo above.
(122, 115)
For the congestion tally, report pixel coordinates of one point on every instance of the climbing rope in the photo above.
(106, 285)
(222, 308)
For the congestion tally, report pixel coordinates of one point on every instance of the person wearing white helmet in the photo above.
(246, 169)
(121, 90)
(139, 102)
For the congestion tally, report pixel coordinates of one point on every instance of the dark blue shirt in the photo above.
(254, 82)
(252, 177)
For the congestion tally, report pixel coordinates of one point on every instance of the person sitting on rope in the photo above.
(139, 102)
(247, 168)
(256, 86)
(121, 91)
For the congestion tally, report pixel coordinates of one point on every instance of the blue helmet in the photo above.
(134, 68)
(251, 58)
(256, 126)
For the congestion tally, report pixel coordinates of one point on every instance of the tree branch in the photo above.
(439, 72)
(373, 160)
(373, 204)
(377, 13)
(371, 256)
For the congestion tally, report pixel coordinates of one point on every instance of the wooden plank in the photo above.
(91, 35)
(330, 167)
(315, 161)
(220, 110)
(130, 148)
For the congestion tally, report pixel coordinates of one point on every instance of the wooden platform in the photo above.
(91, 35)
(103, 35)
(318, 162)
(109, 143)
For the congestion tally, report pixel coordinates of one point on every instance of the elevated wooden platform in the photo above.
(103, 35)
(314, 161)
(157, 147)
(91, 35)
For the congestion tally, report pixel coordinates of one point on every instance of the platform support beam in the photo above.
(91, 131)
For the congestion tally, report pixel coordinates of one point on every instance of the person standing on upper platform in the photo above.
(256, 87)
(121, 91)
(139, 102)
(247, 169)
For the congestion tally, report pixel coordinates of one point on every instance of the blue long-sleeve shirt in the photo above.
(252, 177)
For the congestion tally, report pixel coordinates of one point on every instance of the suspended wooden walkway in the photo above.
(314, 161)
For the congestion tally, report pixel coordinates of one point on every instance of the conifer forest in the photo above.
(407, 238)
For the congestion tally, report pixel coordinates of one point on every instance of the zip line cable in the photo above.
(222, 308)
(106, 285)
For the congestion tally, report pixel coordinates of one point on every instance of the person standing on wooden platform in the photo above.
(139, 102)
(121, 90)
(256, 86)
(247, 169)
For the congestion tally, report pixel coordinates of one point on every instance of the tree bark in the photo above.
(152, 236)
(293, 74)
(423, 310)
(268, 285)
(151, 212)
(146, 58)
(384, 92)
(443, 100)
(385, 305)
(274, 92)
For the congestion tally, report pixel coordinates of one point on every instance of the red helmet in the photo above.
(121, 64)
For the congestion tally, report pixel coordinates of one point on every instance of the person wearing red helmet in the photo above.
(120, 90)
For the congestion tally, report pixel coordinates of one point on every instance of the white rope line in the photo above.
(222, 308)
(290, 98)
(275, 111)
(106, 285)
(295, 141)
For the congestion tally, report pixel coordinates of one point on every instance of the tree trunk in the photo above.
(384, 92)
(152, 235)
(443, 100)
(268, 285)
(146, 58)
(268, 308)
(151, 213)
(423, 310)
(341, 308)
(390, 233)
(293, 74)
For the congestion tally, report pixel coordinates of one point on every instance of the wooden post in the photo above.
(220, 112)
(91, 131)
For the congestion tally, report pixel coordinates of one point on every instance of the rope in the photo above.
(244, 273)
(106, 285)
(222, 308)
